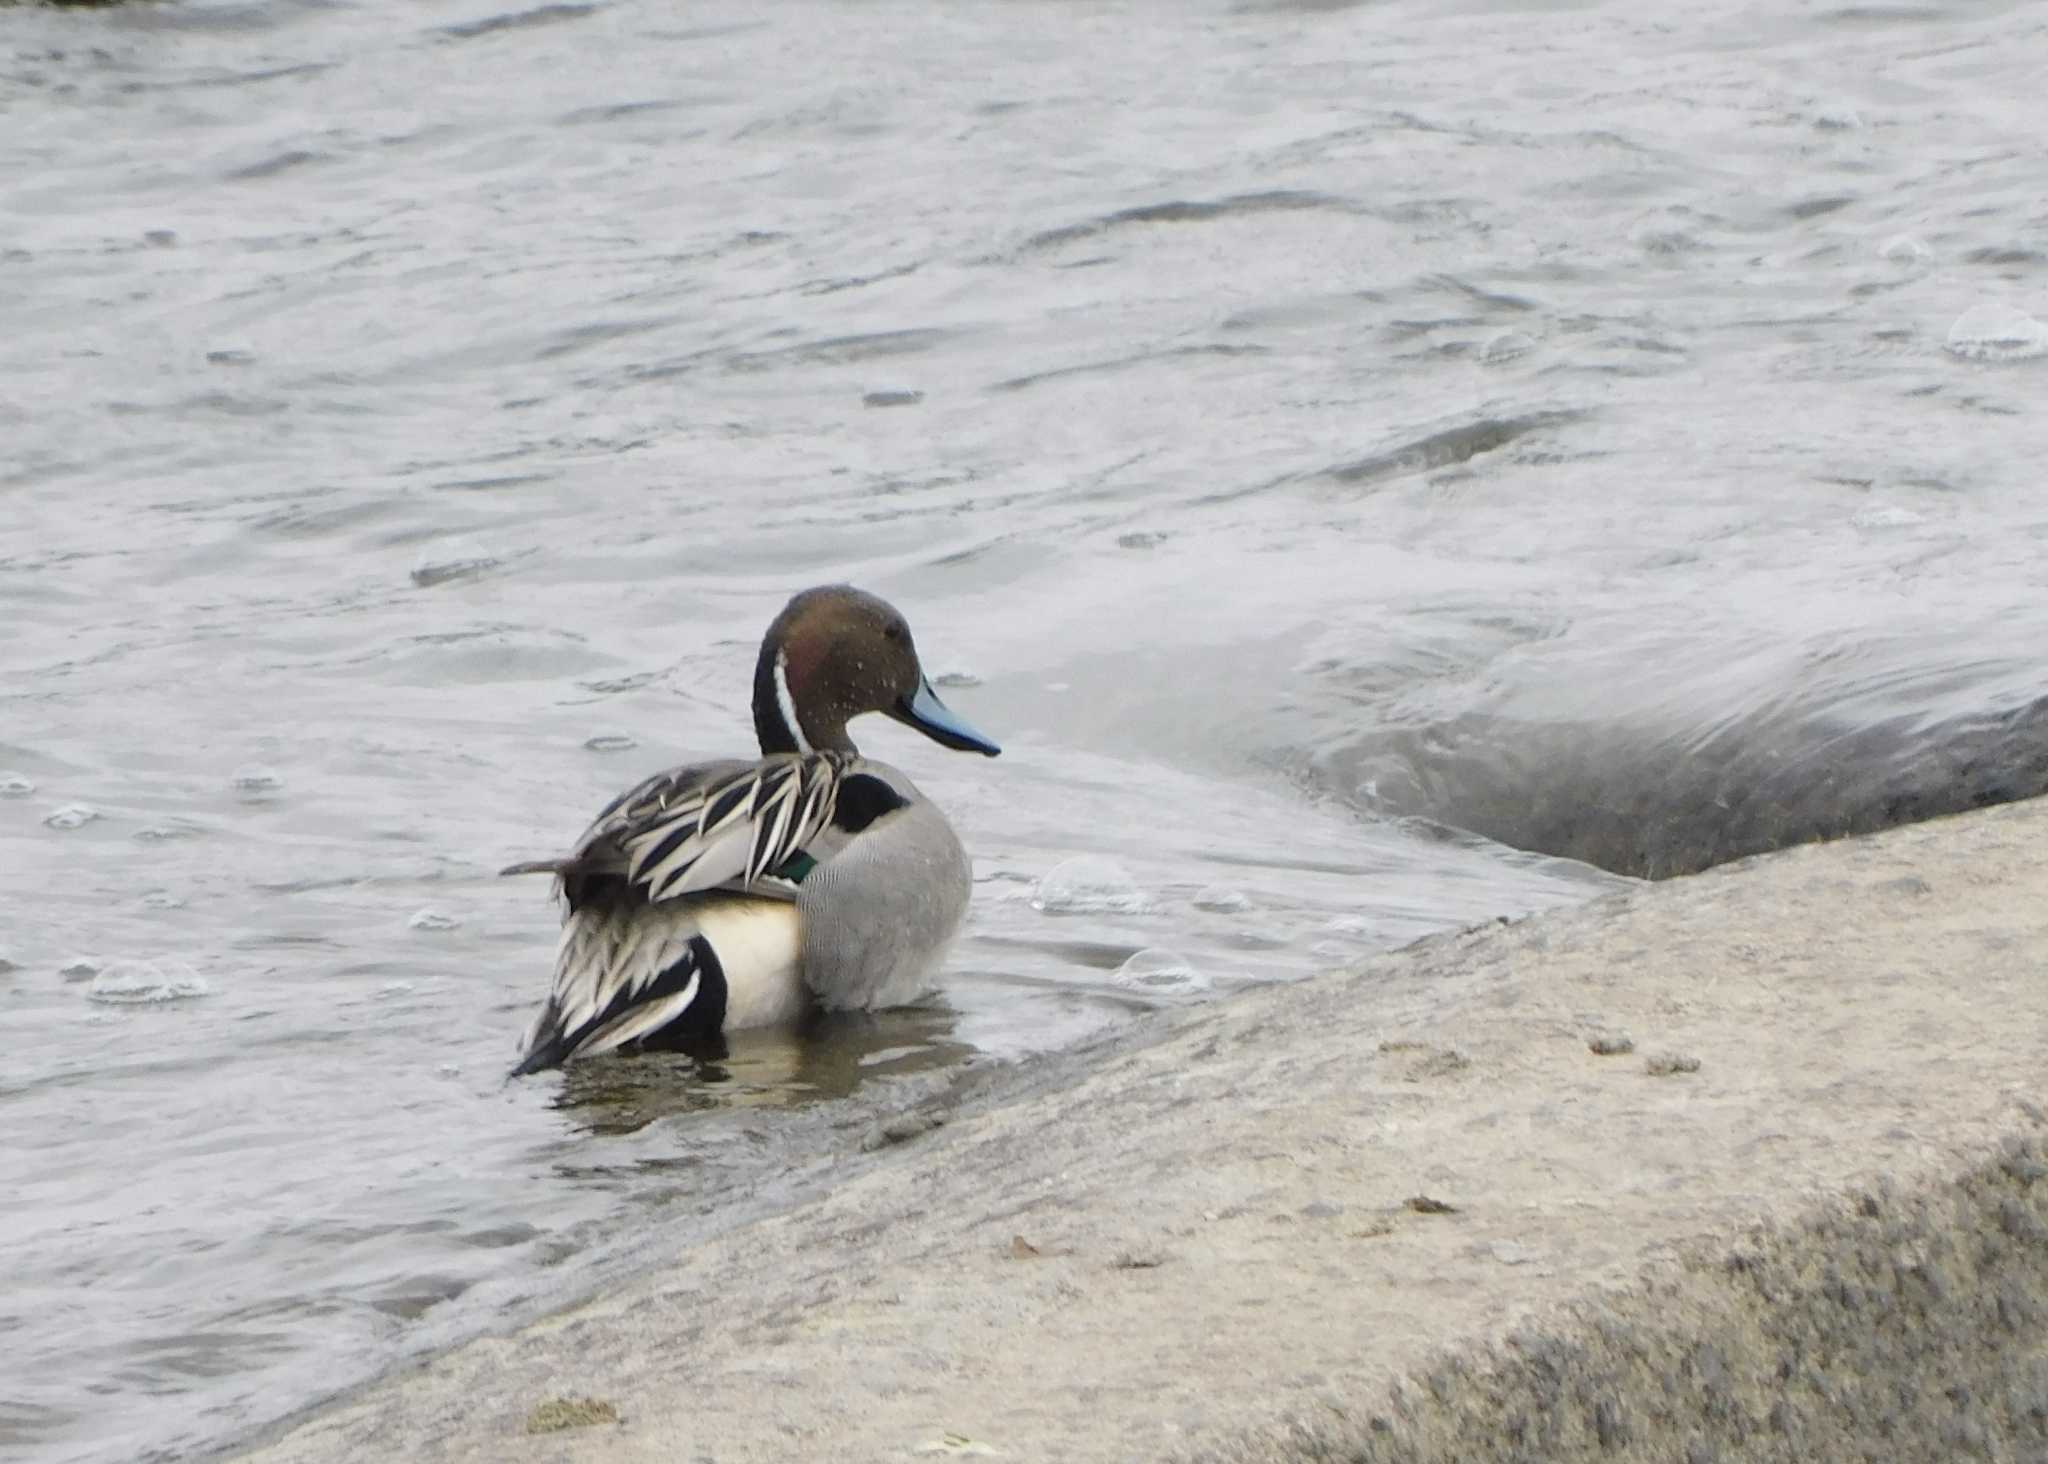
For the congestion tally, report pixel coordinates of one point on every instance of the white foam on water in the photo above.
(1160, 972)
(1506, 346)
(16, 785)
(71, 816)
(142, 983)
(434, 920)
(1904, 249)
(1088, 884)
(164, 833)
(1997, 333)
(254, 780)
(1221, 898)
(1886, 516)
(439, 564)
(1662, 234)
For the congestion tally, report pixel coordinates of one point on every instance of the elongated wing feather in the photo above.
(726, 825)
(716, 826)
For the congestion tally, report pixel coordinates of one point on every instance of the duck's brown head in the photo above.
(834, 653)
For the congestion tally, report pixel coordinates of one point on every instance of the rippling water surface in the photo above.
(1361, 460)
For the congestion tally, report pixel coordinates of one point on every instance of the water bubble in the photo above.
(440, 564)
(71, 816)
(1506, 346)
(163, 900)
(610, 742)
(1997, 333)
(1660, 234)
(16, 785)
(133, 983)
(164, 833)
(1088, 884)
(1905, 249)
(1159, 971)
(1221, 897)
(79, 968)
(434, 920)
(1246, 939)
(253, 780)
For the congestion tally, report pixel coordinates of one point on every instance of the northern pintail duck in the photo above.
(731, 894)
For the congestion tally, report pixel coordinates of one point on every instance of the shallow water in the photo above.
(1318, 441)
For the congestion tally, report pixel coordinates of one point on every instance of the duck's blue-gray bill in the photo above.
(924, 711)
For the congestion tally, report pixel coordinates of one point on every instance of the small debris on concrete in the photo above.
(1023, 1249)
(1611, 1044)
(1665, 1064)
(1424, 1061)
(559, 1413)
(900, 1129)
(1137, 1261)
(1439, 1065)
(1427, 1205)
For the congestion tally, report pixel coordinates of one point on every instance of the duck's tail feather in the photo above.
(583, 882)
(549, 1044)
(538, 866)
(545, 1044)
(610, 992)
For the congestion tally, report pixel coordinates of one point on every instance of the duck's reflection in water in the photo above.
(829, 1055)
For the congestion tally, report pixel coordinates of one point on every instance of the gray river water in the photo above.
(1370, 465)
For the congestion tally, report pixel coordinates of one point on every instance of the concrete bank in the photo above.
(1406, 1211)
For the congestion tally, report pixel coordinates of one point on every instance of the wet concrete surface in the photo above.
(1745, 1164)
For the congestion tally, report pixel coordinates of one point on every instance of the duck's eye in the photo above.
(897, 631)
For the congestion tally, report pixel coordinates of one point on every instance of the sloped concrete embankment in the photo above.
(1742, 1166)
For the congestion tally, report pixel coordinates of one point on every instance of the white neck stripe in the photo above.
(787, 703)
